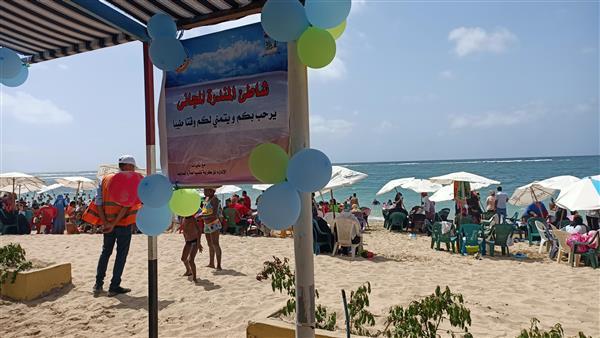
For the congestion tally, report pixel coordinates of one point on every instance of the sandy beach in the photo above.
(502, 293)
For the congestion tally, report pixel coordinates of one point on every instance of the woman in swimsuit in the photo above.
(192, 237)
(212, 226)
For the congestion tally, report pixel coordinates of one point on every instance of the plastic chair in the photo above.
(396, 221)
(501, 234)
(592, 254)
(347, 228)
(532, 230)
(232, 227)
(544, 241)
(469, 235)
(563, 247)
(11, 228)
(320, 239)
(438, 237)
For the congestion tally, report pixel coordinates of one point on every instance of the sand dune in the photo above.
(502, 293)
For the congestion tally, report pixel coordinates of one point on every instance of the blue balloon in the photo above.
(167, 53)
(161, 26)
(10, 63)
(327, 13)
(155, 190)
(309, 170)
(17, 80)
(279, 206)
(284, 20)
(153, 221)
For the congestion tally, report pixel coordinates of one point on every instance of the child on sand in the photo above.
(192, 236)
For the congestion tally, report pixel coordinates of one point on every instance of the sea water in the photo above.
(512, 173)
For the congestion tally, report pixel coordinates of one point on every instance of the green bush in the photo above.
(357, 310)
(12, 261)
(555, 332)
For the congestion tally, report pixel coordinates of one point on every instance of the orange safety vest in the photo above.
(111, 208)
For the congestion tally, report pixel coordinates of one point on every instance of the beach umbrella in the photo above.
(462, 176)
(23, 188)
(15, 178)
(78, 183)
(558, 182)
(393, 185)
(581, 195)
(419, 185)
(446, 193)
(105, 169)
(227, 189)
(261, 187)
(530, 193)
(343, 177)
(50, 188)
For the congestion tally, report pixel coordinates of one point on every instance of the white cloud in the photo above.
(320, 125)
(250, 19)
(63, 66)
(418, 98)
(334, 71)
(588, 50)
(494, 119)
(385, 125)
(470, 40)
(358, 6)
(27, 108)
(447, 74)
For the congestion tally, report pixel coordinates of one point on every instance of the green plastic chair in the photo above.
(532, 231)
(232, 227)
(5, 228)
(591, 256)
(460, 220)
(563, 223)
(325, 239)
(437, 237)
(386, 218)
(500, 235)
(397, 220)
(469, 235)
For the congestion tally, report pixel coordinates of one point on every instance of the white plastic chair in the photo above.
(544, 242)
(347, 227)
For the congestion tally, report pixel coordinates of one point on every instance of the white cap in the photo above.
(127, 159)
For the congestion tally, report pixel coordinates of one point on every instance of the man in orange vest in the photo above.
(117, 222)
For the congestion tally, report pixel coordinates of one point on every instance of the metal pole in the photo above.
(151, 169)
(303, 255)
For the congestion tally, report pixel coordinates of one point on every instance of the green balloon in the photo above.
(185, 202)
(316, 47)
(268, 163)
(338, 30)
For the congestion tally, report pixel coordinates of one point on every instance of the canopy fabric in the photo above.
(446, 193)
(22, 188)
(261, 187)
(105, 169)
(393, 184)
(227, 189)
(50, 188)
(77, 182)
(14, 178)
(581, 195)
(462, 176)
(419, 185)
(558, 182)
(529, 193)
(343, 177)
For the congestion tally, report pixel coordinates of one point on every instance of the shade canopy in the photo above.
(343, 177)
(446, 193)
(51, 187)
(558, 182)
(393, 184)
(15, 178)
(462, 176)
(420, 185)
(261, 187)
(581, 195)
(529, 193)
(23, 188)
(227, 189)
(77, 182)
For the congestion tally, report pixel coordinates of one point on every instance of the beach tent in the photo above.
(50, 188)
(16, 179)
(529, 193)
(261, 187)
(581, 195)
(446, 193)
(420, 185)
(393, 185)
(462, 176)
(558, 182)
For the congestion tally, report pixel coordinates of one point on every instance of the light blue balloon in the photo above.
(309, 170)
(284, 20)
(10, 63)
(17, 80)
(161, 26)
(167, 53)
(327, 13)
(279, 206)
(155, 190)
(153, 221)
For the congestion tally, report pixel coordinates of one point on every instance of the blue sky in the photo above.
(411, 81)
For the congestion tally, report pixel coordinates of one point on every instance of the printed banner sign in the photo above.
(230, 96)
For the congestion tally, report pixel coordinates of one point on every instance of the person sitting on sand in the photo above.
(192, 237)
(212, 226)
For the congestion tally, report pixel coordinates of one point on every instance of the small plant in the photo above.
(283, 279)
(555, 332)
(423, 318)
(357, 310)
(12, 261)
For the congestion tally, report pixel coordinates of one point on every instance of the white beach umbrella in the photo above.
(446, 193)
(50, 188)
(393, 184)
(261, 187)
(78, 183)
(23, 188)
(529, 193)
(15, 178)
(343, 177)
(227, 189)
(419, 185)
(462, 176)
(558, 182)
(581, 195)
